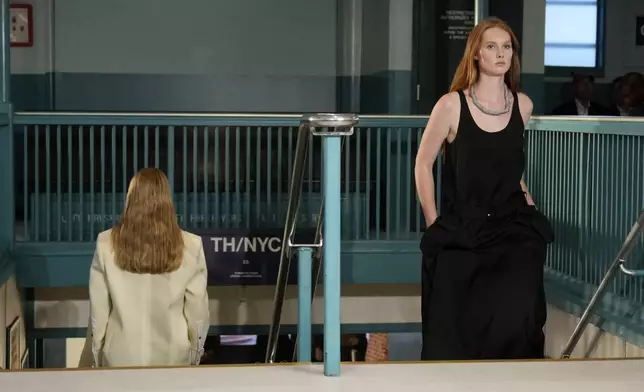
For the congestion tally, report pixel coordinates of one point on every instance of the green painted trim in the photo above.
(199, 119)
(64, 333)
(627, 126)
(7, 206)
(596, 125)
(7, 268)
(145, 119)
(58, 264)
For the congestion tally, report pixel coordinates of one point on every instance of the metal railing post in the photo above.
(332, 127)
(304, 290)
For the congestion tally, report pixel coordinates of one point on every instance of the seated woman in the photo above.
(148, 280)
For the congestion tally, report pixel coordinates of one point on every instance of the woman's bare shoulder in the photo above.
(448, 103)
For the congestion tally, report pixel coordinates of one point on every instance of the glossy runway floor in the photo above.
(589, 376)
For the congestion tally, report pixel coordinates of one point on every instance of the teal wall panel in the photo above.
(533, 85)
(386, 92)
(363, 262)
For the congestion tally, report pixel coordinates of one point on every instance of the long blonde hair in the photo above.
(467, 72)
(147, 239)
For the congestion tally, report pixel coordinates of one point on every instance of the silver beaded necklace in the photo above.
(489, 111)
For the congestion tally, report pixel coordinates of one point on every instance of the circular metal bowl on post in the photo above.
(331, 124)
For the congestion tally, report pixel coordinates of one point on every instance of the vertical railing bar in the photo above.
(103, 165)
(290, 152)
(196, 217)
(355, 203)
(258, 176)
(239, 211)
(37, 184)
(227, 176)
(59, 175)
(304, 296)
(583, 204)
(378, 204)
(146, 146)
(599, 210)
(25, 183)
(206, 180)
(171, 152)
(124, 171)
(92, 180)
(593, 186)
(565, 197)
(280, 168)
(135, 150)
(269, 152)
(157, 147)
(216, 170)
(629, 210)
(81, 181)
(184, 177)
(70, 177)
(367, 209)
(247, 193)
(399, 203)
(388, 200)
(310, 157)
(113, 175)
(48, 182)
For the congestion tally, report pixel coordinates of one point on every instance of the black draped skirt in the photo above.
(482, 278)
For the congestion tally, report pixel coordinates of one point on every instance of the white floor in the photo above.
(589, 376)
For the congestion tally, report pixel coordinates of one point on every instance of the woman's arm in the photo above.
(196, 306)
(435, 133)
(526, 107)
(526, 193)
(100, 305)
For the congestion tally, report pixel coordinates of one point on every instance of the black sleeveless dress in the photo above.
(483, 258)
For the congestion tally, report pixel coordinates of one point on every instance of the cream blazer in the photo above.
(144, 319)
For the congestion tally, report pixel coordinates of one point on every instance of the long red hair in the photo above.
(467, 72)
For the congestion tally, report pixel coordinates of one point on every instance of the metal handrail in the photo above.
(618, 264)
(309, 124)
(582, 119)
(295, 191)
(316, 267)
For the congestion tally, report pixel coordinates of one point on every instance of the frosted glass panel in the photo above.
(570, 57)
(571, 24)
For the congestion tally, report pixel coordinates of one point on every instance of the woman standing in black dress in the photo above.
(483, 257)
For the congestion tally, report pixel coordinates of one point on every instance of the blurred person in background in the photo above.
(636, 97)
(618, 106)
(582, 103)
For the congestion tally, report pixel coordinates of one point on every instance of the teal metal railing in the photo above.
(231, 171)
(587, 176)
(227, 172)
